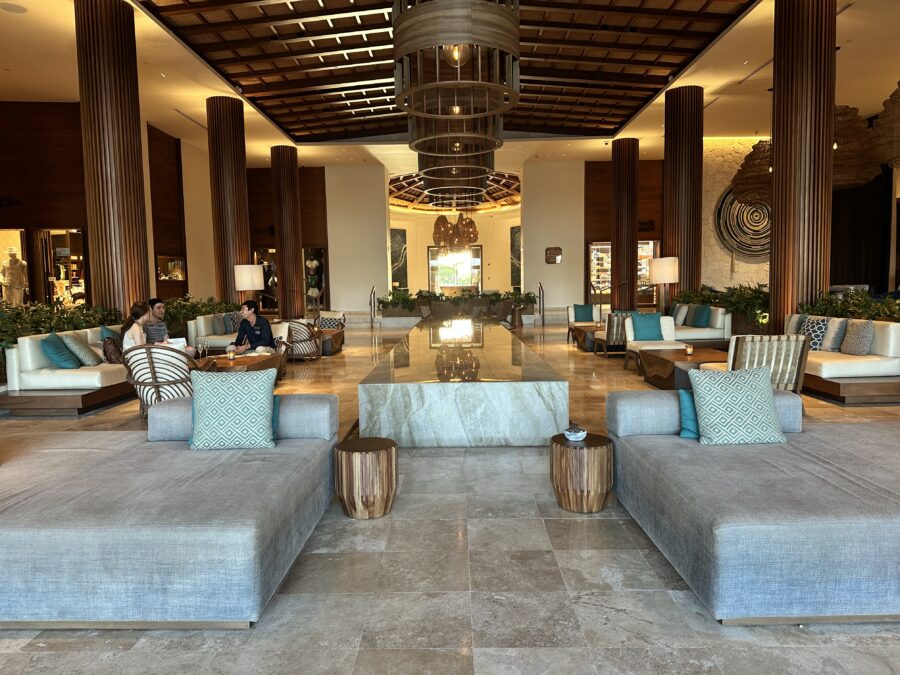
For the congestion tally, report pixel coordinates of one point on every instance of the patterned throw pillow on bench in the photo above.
(233, 410)
(859, 337)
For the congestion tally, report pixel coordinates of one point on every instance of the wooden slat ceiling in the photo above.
(323, 71)
(407, 191)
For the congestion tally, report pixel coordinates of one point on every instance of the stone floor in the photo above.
(475, 570)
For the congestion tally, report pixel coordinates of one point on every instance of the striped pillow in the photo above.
(302, 339)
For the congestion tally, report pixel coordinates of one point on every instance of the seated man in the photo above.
(254, 330)
(155, 328)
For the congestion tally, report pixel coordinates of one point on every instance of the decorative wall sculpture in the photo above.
(744, 229)
(399, 276)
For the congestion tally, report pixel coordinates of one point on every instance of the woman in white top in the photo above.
(133, 328)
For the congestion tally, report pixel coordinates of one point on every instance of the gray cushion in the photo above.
(218, 322)
(807, 528)
(233, 410)
(792, 326)
(654, 412)
(689, 317)
(815, 328)
(736, 407)
(834, 335)
(858, 338)
(81, 349)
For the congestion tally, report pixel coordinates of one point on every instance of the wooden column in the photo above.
(228, 182)
(683, 184)
(625, 157)
(288, 250)
(111, 145)
(802, 136)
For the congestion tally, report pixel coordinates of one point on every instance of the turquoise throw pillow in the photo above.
(106, 332)
(584, 313)
(689, 426)
(736, 407)
(701, 316)
(233, 410)
(58, 354)
(647, 327)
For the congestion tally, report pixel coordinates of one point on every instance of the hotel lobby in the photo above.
(450, 336)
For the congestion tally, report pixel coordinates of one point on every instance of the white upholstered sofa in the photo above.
(203, 328)
(719, 327)
(27, 368)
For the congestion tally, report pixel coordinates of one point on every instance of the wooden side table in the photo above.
(581, 472)
(365, 476)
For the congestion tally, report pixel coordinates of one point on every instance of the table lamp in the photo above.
(663, 271)
(249, 278)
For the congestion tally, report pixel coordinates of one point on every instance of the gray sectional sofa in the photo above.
(153, 532)
(783, 533)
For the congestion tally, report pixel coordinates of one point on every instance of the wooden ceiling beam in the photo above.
(312, 68)
(577, 110)
(358, 91)
(307, 36)
(346, 135)
(627, 12)
(630, 105)
(296, 18)
(606, 29)
(653, 82)
(288, 118)
(336, 104)
(311, 53)
(610, 92)
(600, 61)
(514, 125)
(372, 78)
(207, 6)
(337, 122)
(611, 45)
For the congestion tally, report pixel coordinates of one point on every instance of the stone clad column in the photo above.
(683, 184)
(289, 251)
(625, 157)
(111, 142)
(228, 182)
(802, 138)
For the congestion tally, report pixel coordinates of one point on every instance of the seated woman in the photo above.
(254, 330)
(133, 328)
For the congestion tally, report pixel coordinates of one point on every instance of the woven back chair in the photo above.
(614, 334)
(305, 340)
(783, 355)
(158, 373)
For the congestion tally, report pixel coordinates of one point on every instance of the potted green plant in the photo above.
(398, 303)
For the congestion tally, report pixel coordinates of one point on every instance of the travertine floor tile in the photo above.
(515, 571)
(413, 662)
(525, 620)
(534, 661)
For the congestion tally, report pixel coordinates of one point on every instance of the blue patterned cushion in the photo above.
(58, 354)
(689, 426)
(233, 410)
(737, 407)
(815, 329)
(646, 326)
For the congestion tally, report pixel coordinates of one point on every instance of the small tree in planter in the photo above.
(526, 301)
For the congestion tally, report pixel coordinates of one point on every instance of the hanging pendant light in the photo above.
(455, 137)
(456, 58)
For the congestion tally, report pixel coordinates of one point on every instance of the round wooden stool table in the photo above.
(365, 476)
(581, 472)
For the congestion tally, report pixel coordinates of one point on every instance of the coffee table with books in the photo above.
(668, 368)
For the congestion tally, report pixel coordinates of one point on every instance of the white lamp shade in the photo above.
(664, 270)
(248, 278)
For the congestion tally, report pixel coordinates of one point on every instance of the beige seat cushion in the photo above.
(691, 333)
(718, 367)
(218, 341)
(831, 365)
(86, 377)
(638, 345)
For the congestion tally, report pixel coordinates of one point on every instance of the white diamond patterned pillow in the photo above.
(233, 410)
(736, 407)
(815, 329)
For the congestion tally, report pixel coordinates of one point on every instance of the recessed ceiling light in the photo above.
(746, 62)
(163, 75)
(13, 8)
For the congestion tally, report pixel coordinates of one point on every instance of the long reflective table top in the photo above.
(461, 350)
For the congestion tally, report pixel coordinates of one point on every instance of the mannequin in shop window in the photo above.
(14, 278)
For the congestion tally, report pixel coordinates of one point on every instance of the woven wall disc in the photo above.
(744, 229)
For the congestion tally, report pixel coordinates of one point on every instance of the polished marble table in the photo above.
(463, 383)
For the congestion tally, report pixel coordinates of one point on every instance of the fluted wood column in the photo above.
(289, 248)
(802, 136)
(683, 184)
(228, 182)
(625, 157)
(111, 145)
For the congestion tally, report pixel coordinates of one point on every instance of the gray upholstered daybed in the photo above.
(796, 532)
(153, 532)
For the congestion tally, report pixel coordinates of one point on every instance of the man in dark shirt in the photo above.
(254, 330)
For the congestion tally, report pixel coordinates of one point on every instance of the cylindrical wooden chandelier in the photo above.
(456, 168)
(455, 137)
(456, 58)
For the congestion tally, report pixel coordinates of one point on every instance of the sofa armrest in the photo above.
(192, 332)
(299, 416)
(12, 369)
(726, 330)
(655, 413)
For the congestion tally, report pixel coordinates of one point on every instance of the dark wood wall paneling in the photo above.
(626, 153)
(313, 214)
(861, 233)
(167, 205)
(262, 217)
(598, 193)
(41, 167)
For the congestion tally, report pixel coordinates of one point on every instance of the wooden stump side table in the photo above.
(365, 476)
(581, 472)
